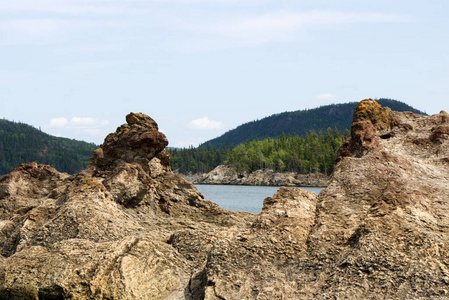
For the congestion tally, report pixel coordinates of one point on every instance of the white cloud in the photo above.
(212, 27)
(287, 26)
(204, 124)
(81, 128)
(83, 121)
(218, 30)
(77, 123)
(325, 97)
(58, 122)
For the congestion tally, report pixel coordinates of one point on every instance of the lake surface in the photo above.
(241, 197)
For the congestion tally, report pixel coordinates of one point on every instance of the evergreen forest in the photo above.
(299, 122)
(284, 142)
(312, 153)
(21, 143)
(197, 160)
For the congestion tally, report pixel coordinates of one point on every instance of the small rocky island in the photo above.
(127, 227)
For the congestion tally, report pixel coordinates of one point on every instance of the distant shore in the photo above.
(225, 175)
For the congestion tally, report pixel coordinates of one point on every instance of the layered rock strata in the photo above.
(128, 228)
(225, 175)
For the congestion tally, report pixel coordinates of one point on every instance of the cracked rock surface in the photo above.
(127, 227)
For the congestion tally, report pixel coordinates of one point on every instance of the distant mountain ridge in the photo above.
(299, 123)
(22, 143)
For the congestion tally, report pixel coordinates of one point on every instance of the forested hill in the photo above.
(21, 143)
(299, 123)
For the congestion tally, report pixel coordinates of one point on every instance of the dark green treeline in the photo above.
(312, 153)
(196, 160)
(21, 143)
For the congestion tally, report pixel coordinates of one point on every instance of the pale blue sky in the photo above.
(202, 67)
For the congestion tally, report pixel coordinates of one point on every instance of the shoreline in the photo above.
(223, 175)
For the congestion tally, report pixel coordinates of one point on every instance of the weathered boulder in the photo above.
(138, 141)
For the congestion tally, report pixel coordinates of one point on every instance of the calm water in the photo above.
(239, 197)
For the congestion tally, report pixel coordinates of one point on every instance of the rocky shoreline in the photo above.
(225, 175)
(127, 227)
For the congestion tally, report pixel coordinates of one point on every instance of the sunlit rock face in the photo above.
(103, 233)
(129, 228)
(382, 223)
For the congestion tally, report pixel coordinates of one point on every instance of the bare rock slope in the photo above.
(129, 228)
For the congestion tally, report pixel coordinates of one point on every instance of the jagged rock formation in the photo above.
(103, 233)
(128, 228)
(225, 175)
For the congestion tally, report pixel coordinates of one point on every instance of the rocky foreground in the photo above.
(225, 175)
(129, 228)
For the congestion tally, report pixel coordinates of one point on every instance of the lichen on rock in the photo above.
(369, 110)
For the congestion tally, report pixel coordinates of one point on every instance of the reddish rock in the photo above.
(137, 141)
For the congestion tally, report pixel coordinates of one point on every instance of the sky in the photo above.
(202, 67)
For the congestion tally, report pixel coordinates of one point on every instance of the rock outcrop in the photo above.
(225, 175)
(103, 233)
(128, 228)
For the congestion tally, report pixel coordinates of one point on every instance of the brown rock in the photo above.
(102, 233)
(381, 218)
(378, 231)
(138, 141)
(129, 228)
(369, 110)
(440, 133)
(369, 117)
